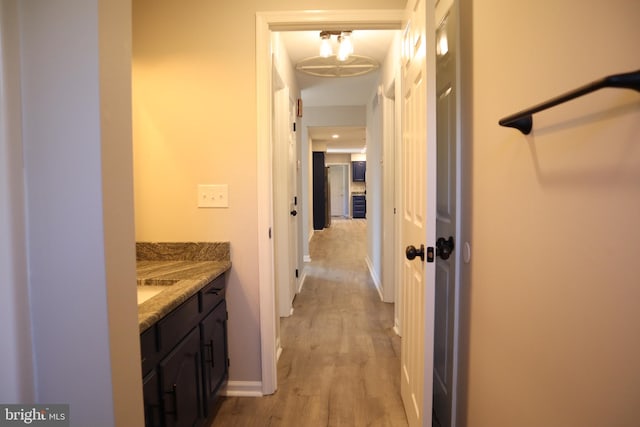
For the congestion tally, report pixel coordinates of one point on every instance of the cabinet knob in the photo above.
(174, 392)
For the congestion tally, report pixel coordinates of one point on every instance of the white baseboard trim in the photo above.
(278, 347)
(374, 277)
(243, 389)
(306, 258)
(301, 282)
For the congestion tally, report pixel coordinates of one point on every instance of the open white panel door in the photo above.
(446, 221)
(281, 196)
(418, 212)
(292, 188)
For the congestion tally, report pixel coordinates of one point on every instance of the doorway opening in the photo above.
(413, 40)
(266, 24)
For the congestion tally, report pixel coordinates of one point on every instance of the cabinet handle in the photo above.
(210, 346)
(174, 391)
(214, 291)
(153, 412)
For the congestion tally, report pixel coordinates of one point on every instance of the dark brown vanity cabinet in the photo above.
(215, 367)
(180, 385)
(151, 392)
(185, 360)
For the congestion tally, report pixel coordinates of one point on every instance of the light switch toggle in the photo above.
(213, 196)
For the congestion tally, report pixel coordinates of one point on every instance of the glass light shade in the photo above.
(325, 47)
(346, 47)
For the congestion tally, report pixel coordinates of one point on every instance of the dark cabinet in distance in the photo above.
(358, 206)
(320, 191)
(358, 171)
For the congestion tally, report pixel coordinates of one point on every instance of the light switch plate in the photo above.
(213, 196)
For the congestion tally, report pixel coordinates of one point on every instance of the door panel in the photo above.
(338, 190)
(284, 222)
(417, 327)
(443, 372)
(294, 214)
(442, 329)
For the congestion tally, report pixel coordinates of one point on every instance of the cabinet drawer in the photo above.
(212, 294)
(148, 349)
(171, 329)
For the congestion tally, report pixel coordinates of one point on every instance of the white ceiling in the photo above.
(341, 91)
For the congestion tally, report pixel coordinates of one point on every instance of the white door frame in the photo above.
(265, 23)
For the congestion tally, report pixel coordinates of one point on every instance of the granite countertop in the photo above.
(183, 269)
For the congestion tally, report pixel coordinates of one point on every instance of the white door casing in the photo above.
(418, 210)
(265, 23)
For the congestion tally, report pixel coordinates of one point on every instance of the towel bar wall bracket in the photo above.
(523, 120)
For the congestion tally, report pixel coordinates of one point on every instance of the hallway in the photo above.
(340, 364)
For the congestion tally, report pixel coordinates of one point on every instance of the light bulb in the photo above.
(325, 46)
(346, 47)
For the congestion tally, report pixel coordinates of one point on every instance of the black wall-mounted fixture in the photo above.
(524, 122)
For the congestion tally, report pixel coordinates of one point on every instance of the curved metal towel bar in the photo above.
(524, 122)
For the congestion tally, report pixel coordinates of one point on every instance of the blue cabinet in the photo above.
(358, 171)
(358, 206)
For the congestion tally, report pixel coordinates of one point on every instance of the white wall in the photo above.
(554, 299)
(374, 187)
(16, 362)
(79, 210)
(383, 244)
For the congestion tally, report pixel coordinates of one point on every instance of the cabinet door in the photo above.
(181, 383)
(359, 170)
(214, 341)
(151, 393)
(358, 207)
(319, 191)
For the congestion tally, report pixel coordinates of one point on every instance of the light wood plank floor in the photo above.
(341, 360)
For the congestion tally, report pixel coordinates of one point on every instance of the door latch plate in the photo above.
(430, 254)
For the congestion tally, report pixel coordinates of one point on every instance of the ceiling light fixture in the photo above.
(325, 44)
(345, 47)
